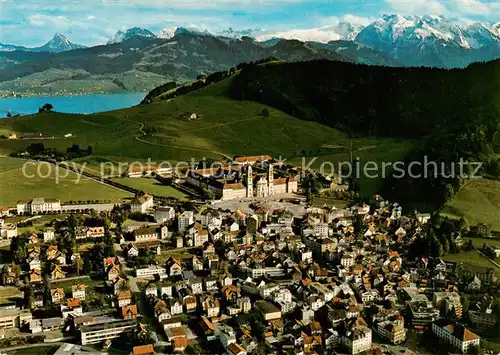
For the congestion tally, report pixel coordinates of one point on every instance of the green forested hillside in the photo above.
(408, 102)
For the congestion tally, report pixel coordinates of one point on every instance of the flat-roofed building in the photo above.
(97, 333)
(150, 271)
(14, 318)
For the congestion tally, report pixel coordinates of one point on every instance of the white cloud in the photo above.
(417, 7)
(473, 7)
(42, 20)
(452, 9)
(351, 18)
(91, 17)
(197, 4)
(357, 20)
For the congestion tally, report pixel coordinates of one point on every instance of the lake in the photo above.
(70, 104)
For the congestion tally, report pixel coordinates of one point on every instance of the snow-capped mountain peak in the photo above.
(58, 43)
(167, 33)
(121, 36)
(428, 39)
(340, 31)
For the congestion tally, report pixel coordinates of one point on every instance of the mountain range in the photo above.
(59, 43)
(139, 60)
(408, 40)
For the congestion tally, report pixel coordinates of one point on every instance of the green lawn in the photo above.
(478, 242)
(321, 201)
(38, 181)
(92, 285)
(472, 258)
(151, 186)
(478, 201)
(9, 164)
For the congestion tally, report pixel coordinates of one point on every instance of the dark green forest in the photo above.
(454, 113)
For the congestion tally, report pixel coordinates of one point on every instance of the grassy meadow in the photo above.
(478, 201)
(225, 128)
(38, 181)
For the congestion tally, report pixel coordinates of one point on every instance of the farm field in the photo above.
(478, 201)
(38, 181)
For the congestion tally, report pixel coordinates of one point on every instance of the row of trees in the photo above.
(39, 151)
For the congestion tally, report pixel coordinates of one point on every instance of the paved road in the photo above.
(144, 134)
(29, 346)
(486, 256)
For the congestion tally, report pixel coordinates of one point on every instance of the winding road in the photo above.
(144, 134)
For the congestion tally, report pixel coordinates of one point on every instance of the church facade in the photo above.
(250, 185)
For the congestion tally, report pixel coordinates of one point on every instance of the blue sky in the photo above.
(90, 22)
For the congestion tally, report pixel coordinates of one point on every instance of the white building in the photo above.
(347, 261)
(8, 231)
(146, 234)
(456, 335)
(142, 204)
(267, 290)
(38, 205)
(48, 234)
(185, 220)
(78, 291)
(151, 271)
(357, 340)
(164, 214)
(97, 333)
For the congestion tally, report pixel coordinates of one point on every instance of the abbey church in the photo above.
(242, 181)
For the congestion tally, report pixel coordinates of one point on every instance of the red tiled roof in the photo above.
(130, 309)
(143, 349)
(252, 158)
(180, 343)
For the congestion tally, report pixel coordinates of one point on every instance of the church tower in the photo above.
(249, 182)
(270, 179)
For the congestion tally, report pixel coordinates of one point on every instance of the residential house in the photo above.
(78, 291)
(393, 331)
(124, 298)
(129, 312)
(48, 234)
(113, 271)
(356, 337)
(211, 307)
(142, 204)
(57, 273)
(174, 267)
(57, 295)
(164, 214)
(35, 275)
(175, 306)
